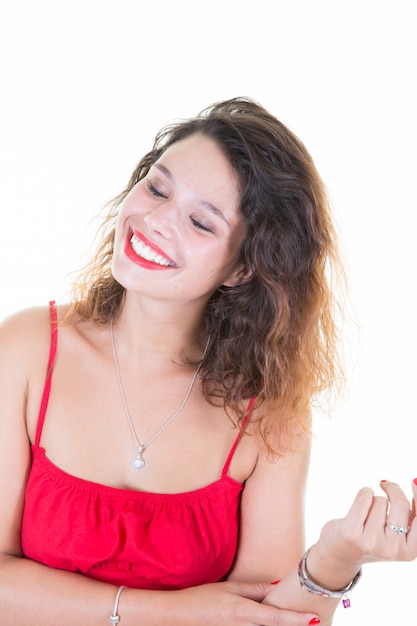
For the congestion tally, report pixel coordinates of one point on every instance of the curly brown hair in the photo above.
(274, 336)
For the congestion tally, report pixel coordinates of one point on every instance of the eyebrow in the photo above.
(208, 205)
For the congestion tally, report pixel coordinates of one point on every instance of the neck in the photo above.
(154, 336)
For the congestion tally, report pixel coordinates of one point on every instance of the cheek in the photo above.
(131, 204)
(118, 238)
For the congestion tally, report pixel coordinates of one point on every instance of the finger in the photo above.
(294, 618)
(283, 617)
(399, 505)
(267, 613)
(396, 495)
(359, 511)
(252, 591)
(414, 488)
(404, 512)
(412, 535)
(377, 516)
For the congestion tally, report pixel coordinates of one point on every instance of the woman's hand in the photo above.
(346, 544)
(376, 528)
(235, 604)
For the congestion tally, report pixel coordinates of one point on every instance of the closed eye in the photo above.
(155, 192)
(201, 226)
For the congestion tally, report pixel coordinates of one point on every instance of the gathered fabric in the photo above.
(124, 536)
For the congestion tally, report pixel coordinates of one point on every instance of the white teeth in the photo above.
(147, 253)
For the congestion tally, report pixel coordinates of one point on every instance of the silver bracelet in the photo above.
(312, 587)
(114, 618)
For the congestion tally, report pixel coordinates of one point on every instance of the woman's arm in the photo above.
(348, 543)
(272, 541)
(34, 594)
(272, 514)
(272, 530)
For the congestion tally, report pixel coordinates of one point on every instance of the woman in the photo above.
(158, 475)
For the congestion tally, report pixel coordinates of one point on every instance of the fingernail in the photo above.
(415, 481)
(383, 481)
(275, 582)
(315, 620)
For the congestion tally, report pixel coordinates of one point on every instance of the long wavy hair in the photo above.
(274, 336)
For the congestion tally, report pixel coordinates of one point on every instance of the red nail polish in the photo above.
(415, 481)
(275, 582)
(383, 481)
(315, 620)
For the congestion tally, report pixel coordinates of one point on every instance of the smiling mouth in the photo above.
(146, 252)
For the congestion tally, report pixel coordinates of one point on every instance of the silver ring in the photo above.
(400, 530)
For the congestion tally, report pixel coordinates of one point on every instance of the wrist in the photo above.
(329, 571)
(318, 588)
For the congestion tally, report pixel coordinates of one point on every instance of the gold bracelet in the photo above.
(114, 618)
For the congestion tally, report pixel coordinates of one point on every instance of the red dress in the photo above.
(123, 536)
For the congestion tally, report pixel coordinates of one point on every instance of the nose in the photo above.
(162, 220)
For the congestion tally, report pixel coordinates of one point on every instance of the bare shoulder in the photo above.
(27, 330)
(23, 320)
(23, 334)
(25, 338)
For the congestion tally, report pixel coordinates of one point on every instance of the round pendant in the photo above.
(138, 463)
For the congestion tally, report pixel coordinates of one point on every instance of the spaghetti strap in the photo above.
(47, 387)
(241, 431)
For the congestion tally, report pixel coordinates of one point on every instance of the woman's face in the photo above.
(179, 230)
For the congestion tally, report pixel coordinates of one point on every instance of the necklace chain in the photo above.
(139, 462)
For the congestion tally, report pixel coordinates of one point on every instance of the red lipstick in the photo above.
(139, 260)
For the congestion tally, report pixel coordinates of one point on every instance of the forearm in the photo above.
(35, 595)
(32, 594)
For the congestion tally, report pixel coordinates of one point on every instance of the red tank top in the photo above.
(127, 537)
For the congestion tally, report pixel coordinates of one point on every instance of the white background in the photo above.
(86, 84)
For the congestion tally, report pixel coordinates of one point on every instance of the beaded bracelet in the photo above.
(312, 587)
(114, 618)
